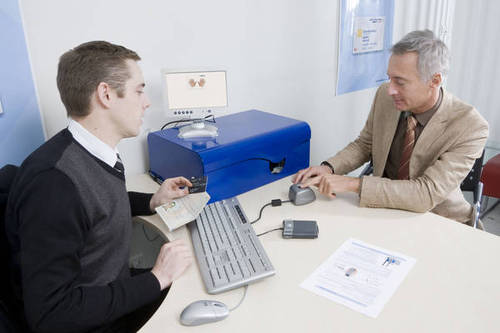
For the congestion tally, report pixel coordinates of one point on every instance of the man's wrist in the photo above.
(327, 164)
(153, 204)
(356, 185)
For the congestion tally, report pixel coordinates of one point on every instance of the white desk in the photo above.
(453, 287)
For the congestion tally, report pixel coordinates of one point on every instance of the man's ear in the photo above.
(103, 94)
(436, 80)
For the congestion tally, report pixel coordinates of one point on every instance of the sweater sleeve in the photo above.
(139, 203)
(52, 232)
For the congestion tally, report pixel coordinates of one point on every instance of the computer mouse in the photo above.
(301, 195)
(203, 312)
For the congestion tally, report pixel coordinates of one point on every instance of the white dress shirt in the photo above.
(90, 142)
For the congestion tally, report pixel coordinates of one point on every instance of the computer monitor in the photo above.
(195, 95)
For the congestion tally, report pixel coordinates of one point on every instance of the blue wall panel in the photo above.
(20, 124)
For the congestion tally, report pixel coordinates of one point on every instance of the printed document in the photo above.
(182, 210)
(360, 276)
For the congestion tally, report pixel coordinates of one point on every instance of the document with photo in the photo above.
(360, 276)
(182, 210)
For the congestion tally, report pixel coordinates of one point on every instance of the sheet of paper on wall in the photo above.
(183, 210)
(368, 34)
(360, 276)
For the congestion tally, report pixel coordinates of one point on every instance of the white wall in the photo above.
(281, 56)
(475, 75)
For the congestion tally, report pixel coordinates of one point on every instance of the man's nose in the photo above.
(147, 103)
(391, 90)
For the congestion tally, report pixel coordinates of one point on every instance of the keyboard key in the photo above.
(228, 251)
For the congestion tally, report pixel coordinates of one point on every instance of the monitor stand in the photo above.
(198, 129)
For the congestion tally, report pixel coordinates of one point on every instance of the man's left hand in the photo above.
(170, 189)
(329, 185)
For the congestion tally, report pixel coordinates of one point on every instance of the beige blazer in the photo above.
(443, 155)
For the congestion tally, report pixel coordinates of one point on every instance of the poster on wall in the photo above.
(364, 44)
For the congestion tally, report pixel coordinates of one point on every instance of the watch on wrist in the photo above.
(328, 165)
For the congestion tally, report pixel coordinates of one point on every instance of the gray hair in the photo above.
(433, 55)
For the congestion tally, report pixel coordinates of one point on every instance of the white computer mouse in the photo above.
(203, 312)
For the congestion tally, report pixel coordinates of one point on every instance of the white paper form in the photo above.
(360, 276)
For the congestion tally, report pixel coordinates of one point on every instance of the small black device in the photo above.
(199, 184)
(300, 229)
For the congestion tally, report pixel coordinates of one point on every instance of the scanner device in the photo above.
(301, 195)
(203, 312)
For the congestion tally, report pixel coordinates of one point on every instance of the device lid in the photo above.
(248, 135)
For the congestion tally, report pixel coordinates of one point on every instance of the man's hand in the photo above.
(329, 185)
(174, 258)
(313, 171)
(169, 189)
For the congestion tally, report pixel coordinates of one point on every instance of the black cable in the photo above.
(274, 203)
(266, 232)
(260, 213)
(190, 120)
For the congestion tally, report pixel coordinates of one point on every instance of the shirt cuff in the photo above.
(360, 185)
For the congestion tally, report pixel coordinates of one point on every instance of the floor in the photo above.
(492, 220)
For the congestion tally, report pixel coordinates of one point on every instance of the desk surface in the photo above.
(453, 287)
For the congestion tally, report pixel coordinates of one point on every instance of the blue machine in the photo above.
(253, 148)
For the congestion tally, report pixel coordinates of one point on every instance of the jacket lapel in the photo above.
(388, 131)
(432, 131)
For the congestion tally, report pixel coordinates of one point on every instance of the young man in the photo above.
(69, 216)
(422, 140)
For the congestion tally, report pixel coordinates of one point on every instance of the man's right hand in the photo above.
(174, 258)
(310, 172)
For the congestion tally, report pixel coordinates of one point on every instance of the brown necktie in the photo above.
(409, 143)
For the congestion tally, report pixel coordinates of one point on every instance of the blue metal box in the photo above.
(253, 148)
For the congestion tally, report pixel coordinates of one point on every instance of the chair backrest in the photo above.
(7, 174)
(8, 321)
(471, 181)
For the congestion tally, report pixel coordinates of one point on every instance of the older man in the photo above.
(422, 140)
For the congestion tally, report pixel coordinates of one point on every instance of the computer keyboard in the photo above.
(228, 252)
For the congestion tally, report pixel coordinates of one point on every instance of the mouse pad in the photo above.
(199, 184)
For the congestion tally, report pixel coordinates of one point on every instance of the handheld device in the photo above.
(300, 229)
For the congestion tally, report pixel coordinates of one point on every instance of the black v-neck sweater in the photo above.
(68, 221)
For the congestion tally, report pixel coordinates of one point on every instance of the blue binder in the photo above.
(253, 148)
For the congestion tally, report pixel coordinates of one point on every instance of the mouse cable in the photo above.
(241, 300)
(274, 203)
(266, 232)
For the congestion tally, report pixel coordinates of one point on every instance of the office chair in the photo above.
(471, 183)
(490, 177)
(10, 321)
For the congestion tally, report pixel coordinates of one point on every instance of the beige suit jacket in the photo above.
(443, 155)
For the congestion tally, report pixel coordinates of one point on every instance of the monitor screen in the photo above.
(194, 94)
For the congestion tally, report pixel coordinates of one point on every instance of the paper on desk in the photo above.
(360, 276)
(182, 210)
